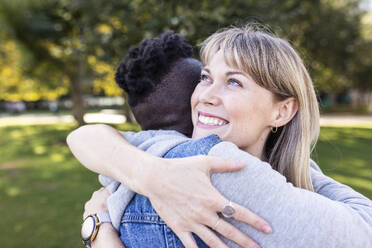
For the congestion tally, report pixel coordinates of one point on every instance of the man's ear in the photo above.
(287, 109)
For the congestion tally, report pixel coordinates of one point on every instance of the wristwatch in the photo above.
(90, 226)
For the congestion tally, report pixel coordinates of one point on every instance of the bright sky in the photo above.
(367, 4)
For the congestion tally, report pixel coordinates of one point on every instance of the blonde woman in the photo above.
(256, 95)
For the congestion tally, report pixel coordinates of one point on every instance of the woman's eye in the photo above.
(234, 82)
(204, 78)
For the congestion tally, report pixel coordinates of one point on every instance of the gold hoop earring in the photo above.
(274, 129)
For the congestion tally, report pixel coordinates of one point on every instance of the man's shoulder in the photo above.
(156, 142)
(137, 138)
(194, 147)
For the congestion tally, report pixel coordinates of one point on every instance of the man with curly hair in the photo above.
(159, 77)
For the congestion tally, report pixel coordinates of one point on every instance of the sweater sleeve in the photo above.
(340, 217)
(156, 142)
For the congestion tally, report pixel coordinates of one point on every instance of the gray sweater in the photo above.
(334, 216)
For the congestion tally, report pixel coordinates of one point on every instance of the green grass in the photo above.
(43, 188)
(345, 154)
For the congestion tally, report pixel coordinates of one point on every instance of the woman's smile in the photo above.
(210, 121)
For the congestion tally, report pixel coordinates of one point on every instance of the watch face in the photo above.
(87, 228)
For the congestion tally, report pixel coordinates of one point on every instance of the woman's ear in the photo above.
(287, 110)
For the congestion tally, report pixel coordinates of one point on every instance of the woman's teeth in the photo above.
(211, 121)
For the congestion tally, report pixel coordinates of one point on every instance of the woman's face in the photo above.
(227, 102)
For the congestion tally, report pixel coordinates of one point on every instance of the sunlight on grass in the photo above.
(16, 134)
(56, 157)
(13, 191)
(39, 149)
(355, 181)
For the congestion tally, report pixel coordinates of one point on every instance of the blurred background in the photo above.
(57, 63)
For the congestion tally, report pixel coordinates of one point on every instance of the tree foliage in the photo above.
(79, 42)
(16, 86)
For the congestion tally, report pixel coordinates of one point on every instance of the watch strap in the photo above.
(103, 217)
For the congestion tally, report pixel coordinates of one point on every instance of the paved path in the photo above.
(104, 116)
(346, 120)
(112, 116)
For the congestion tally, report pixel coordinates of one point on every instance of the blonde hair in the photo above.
(275, 66)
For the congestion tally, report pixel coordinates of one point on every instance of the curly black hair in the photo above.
(145, 65)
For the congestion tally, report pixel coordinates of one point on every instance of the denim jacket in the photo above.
(141, 226)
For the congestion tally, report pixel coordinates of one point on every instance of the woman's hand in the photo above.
(107, 237)
(181, 192)
(97, 203)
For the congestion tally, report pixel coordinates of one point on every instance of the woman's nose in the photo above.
(210, 95)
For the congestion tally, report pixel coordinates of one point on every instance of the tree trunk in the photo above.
(369, 101)
(78, 107)
(332, 99)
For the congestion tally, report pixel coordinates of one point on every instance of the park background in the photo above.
(57, 64)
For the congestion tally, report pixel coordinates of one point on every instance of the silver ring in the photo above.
(228, 211)
(217, 222)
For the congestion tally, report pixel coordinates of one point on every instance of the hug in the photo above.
(224, 156)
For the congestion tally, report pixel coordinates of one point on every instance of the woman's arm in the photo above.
(103, 150)
(113, 156)
(297, 216)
